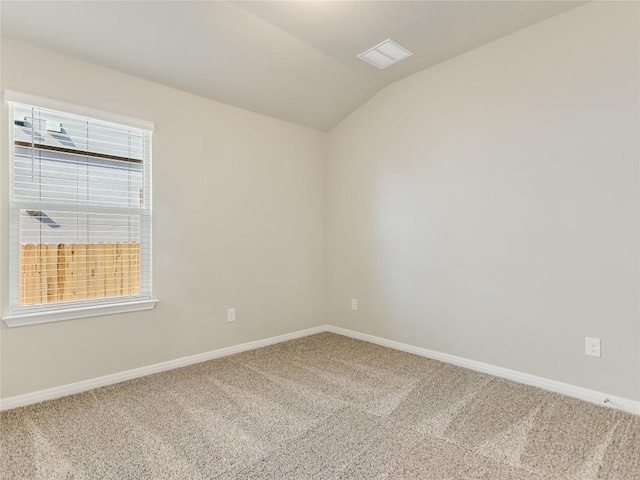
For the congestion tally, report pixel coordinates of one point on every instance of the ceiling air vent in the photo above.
(385, 54)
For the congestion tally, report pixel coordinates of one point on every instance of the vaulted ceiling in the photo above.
(293, 60)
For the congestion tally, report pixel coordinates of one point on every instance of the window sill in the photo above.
(20, 319)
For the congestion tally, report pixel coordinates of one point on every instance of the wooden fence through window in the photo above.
(72, 271)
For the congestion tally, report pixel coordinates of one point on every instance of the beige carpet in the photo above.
(322, 407)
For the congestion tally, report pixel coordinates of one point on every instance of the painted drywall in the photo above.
(238, 222)
(488, 207)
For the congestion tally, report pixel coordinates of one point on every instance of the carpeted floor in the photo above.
(321, 407)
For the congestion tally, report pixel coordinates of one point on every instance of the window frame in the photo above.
(54, 312)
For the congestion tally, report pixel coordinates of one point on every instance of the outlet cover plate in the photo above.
(592, 347)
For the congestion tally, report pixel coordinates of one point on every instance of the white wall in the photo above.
(238, 221)
(488, 207)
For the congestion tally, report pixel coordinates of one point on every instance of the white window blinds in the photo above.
(80, 222)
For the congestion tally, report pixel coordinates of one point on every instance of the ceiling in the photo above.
(293, 60)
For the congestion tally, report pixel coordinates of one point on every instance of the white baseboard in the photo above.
(83, 386)
(592, 396)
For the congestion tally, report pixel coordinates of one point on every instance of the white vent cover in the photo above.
(385, 54)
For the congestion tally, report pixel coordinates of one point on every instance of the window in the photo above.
(80, 213)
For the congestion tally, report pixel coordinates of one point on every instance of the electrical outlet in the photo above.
(592, 347)
(354, 304)
(231, 314)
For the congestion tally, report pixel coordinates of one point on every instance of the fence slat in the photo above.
(63, 287)
(28, 259)
(93, 282)
(117, 253)
(100, 269)
(41, 252)
(36, 286)
(135, 269)
(110, 270)
(125, 252)
(81, 270)
(23, 274)
(72, 271)
(52, 272)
